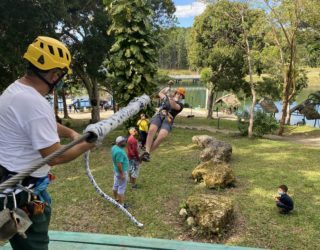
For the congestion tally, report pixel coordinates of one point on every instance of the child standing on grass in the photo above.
(133, 155)
(143, 124)
(120, 168)
(284, 202)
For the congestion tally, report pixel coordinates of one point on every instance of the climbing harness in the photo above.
(165, 106)
(104, 127)
(13, 221)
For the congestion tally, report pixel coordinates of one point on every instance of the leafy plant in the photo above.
(263, 123)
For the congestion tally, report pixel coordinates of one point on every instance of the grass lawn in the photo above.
(313, 74)
(177, 72)
(259, 165)
(196, 121)
(302, 130)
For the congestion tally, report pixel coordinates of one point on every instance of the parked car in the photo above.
(106, 105)
(81, 103)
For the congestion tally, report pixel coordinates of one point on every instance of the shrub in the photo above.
(263, 123)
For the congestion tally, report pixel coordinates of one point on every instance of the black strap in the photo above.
(6, 174)
(165, 104)
(50, 85)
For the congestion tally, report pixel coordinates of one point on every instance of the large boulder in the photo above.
(209, 214)
(202, 140)
(217, 151)
(214, 175)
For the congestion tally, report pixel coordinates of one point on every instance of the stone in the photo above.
(217, 151)
(211, 213)
(190, 221)
(214, 175)
(202, 140)
(183, 212)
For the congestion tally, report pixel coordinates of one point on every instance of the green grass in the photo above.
(223, 124)
(302, 131)
(259, 165)
(313, 74)
(177, 72)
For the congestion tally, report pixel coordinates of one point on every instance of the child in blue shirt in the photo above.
(284, 202)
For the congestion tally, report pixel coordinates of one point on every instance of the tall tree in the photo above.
(214, 43)
(83, 27)
(134, 54)
(253, 24)
(173, 55)
(285, 18)
(20, 23)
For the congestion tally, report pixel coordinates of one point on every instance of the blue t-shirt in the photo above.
(119, 155)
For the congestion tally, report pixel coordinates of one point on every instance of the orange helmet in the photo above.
(181, 91)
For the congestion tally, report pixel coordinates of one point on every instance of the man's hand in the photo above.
(276, 198)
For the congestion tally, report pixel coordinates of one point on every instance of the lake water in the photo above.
(196, 97)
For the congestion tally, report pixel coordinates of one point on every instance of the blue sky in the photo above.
(187, 10)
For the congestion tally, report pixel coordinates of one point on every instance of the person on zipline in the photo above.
(29, 132)
(169, 108)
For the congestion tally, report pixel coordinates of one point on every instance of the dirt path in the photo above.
(297, 139)
(186, 111)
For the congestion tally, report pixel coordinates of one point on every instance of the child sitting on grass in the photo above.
(284, 202)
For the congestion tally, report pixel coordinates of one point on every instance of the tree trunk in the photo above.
(253, 91)
(93, 92)
(65, 107)
(285, 102)
(251, 121)
(289, 86)
(210, 104)
(55, 103)
(288, 117)
(95, 102)
(114, 104)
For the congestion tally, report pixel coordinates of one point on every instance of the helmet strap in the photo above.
(50, 85)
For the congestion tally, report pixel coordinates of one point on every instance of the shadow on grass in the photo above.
(260, 167)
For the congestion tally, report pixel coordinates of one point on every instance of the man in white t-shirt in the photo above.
(29, 132)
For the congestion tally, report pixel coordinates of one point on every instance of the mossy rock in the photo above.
(212, 214)
(214, 175)
(213, 149)
(202, 140)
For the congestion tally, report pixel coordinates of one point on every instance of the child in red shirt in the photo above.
(133, 155)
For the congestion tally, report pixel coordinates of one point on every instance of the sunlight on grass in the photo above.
(302, 130)
(311, 175)
(262, 193)
(260, 166)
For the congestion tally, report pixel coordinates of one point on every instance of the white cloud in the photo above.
(190, 10)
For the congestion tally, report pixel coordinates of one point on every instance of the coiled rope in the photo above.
(104, 127)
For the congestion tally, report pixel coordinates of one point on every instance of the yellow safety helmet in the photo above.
(47, 53)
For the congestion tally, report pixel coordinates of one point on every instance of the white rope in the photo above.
(107, 197)
(105, 127)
